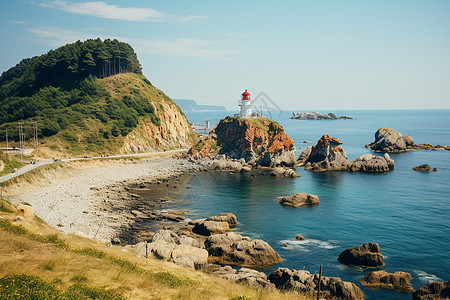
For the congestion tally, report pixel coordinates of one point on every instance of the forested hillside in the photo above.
(65, 92)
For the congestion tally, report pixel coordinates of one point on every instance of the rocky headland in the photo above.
(318, 116)
(259, 141)
(390, 140)
(328, 155)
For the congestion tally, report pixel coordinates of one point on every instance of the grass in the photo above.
(10, 164)
(91, 252)
(20, 230)
(23, 286)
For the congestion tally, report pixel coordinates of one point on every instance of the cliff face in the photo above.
(172, 129)
(261, 140)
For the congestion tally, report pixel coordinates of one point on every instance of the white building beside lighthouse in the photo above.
(246, 105)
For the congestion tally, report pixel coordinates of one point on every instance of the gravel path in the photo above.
(70, 204)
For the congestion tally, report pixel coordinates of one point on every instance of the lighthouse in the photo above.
(246, 105)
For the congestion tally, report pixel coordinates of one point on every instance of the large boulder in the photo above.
(433, 290)
(304, 282)
(189, 256)
(250, 277)
(368, 254)
(326, 155)
(371, 163)
(234, 249)
(390, 140)
(230, 218)
(299, 199)
(167, 245)
(208, 228)
(391, 281)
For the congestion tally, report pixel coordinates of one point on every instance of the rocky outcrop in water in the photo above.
(434, 290)
(328, 155)
(390, 140)
(371, 163)
(304, 282)
(299, 199)
(250, 277)
(258, 141)
(368, 254)
(317, 116)
(424, 168)
(234, 249)
(391, 281)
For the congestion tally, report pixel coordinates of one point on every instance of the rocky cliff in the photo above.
(261, 141)
(171, 131)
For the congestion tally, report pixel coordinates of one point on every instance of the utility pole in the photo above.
(21, 139)
(35, 135)
(7, 145)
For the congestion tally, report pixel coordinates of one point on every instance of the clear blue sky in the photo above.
(304, 54)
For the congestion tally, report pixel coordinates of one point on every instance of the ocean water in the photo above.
(406, 212)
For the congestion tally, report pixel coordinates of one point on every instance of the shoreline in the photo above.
(72, 202)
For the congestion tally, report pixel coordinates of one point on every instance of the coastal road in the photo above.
(43, 162)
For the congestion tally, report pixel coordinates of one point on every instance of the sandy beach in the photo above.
(71, 200)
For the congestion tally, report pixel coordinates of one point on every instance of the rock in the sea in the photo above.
(368, 254)
(433, 290)
(390, 140)
(326, 155)
(234, 249)
(300, 237)
(304, 282)
(391, 281)
(230, 218)
(371, 163)
(299, 199)
(280, 172)
(208, 228)
(317, 116)
(423, 168)
(250, 277)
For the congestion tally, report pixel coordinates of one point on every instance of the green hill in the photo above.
(88, 97)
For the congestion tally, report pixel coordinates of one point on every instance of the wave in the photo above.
(310, 243)
(426, 277)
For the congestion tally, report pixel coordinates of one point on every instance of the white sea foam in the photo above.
(425, 277)
(310, 243)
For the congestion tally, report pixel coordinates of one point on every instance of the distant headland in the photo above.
(191, 105)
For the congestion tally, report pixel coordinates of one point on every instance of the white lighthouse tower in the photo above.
(246, 105)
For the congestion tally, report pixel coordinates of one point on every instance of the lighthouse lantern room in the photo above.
(246, 105)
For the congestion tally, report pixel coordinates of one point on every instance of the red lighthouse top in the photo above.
(245, 95)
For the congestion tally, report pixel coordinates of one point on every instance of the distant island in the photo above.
(191, 105)
(317, 116)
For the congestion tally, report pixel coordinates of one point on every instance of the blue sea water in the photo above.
(406, 212)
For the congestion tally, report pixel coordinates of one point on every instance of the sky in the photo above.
(303, 54)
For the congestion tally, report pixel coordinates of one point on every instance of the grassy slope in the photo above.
(101, 266)
(85, 138)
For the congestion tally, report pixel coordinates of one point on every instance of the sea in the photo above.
(406, 212)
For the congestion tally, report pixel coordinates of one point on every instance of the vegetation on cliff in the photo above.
(84, 97)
